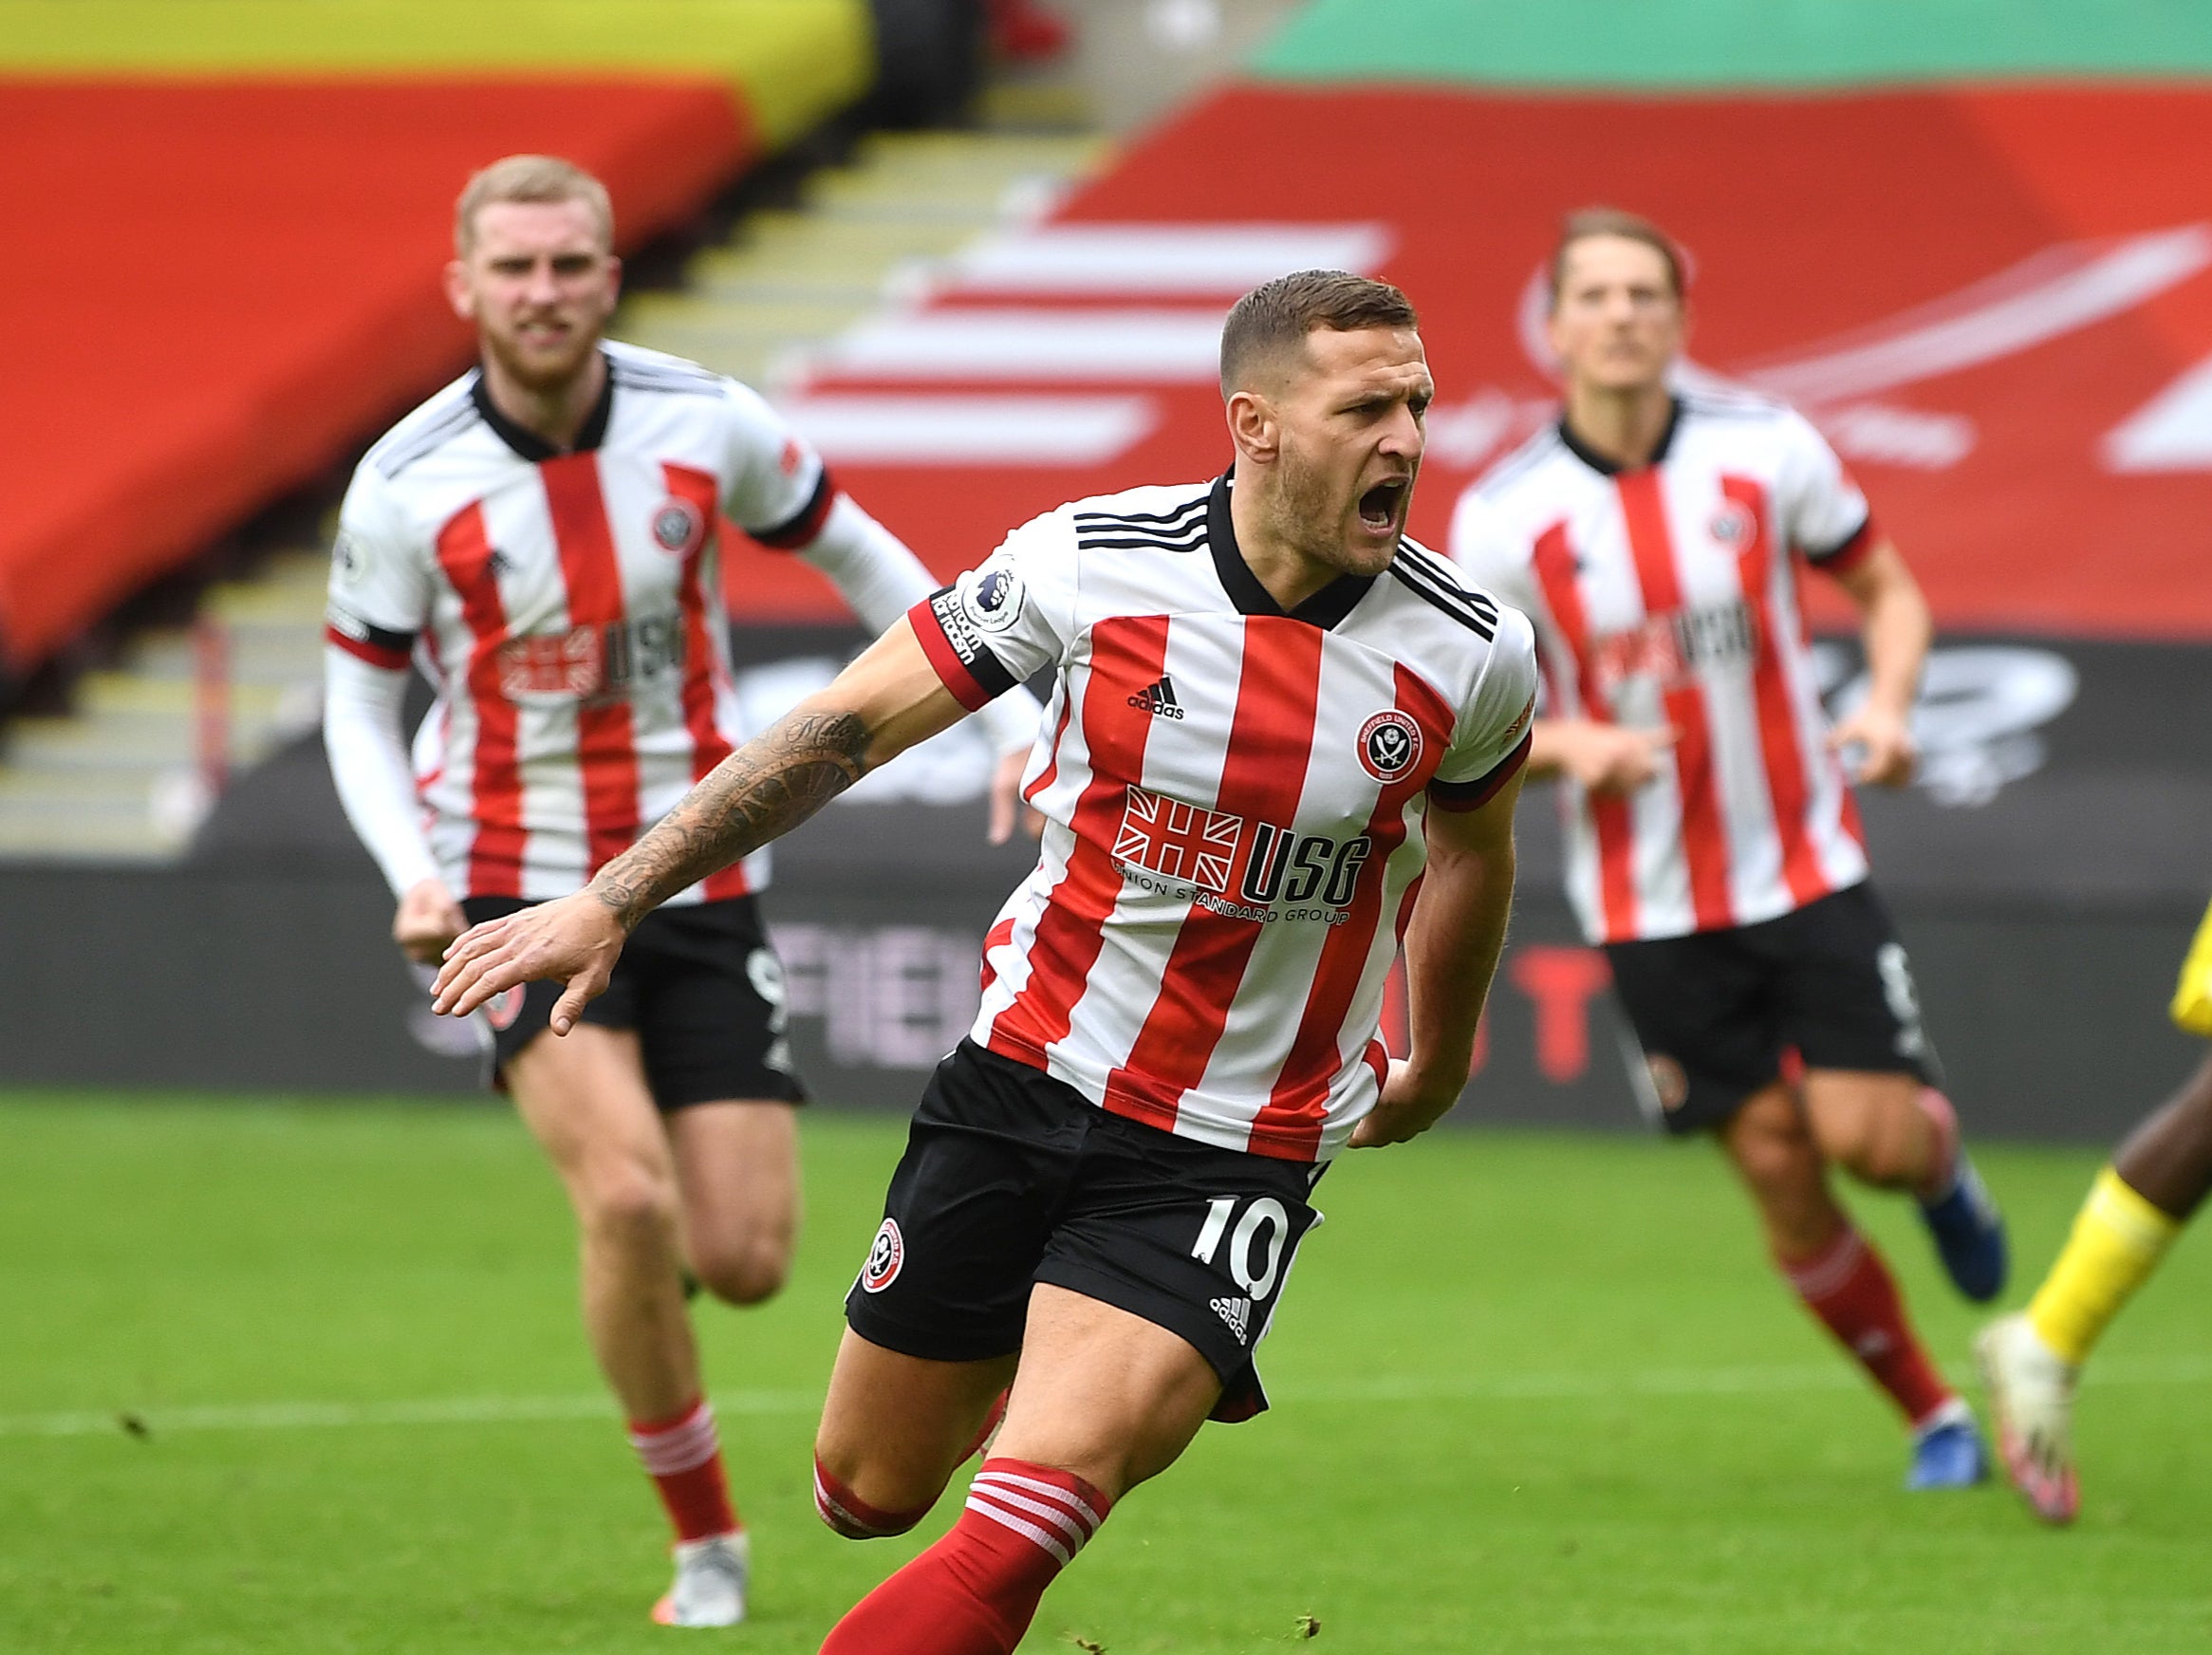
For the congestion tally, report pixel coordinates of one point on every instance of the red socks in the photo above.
(975, 1591)
(1849, 1288)
(683, 1457)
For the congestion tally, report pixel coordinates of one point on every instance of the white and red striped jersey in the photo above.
(1233, 800)
(566, 606)
(1667, 596)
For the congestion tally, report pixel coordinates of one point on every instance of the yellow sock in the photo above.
(2117, 1241)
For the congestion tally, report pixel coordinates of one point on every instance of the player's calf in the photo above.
(975, 1591)
(844, 1512)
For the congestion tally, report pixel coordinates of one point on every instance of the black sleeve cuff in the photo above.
(1474, 794)
(802, 526)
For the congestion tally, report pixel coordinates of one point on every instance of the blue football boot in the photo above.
(1969, 1235)
(1947, 1451)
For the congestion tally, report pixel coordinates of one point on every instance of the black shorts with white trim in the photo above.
(1011, 1177)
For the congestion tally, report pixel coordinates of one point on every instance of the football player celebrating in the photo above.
(2155, 1180)
(542, 537)
(1276, 720)
(1713, 848)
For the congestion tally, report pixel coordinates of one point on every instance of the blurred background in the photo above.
(978, 252)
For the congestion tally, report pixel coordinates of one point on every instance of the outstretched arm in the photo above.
(1451, 953)
(882, 704)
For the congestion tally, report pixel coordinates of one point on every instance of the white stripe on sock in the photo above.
(1051, 1490)
(1026, 1530)
(1821, 1275)
(1058, 1516)
(683, 1446)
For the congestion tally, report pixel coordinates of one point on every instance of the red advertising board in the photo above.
(1998, 303)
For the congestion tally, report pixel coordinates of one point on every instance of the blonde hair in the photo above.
(530, 177)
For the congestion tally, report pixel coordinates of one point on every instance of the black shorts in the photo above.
(1716, 1011)
(702, 987)
(1011, 1177)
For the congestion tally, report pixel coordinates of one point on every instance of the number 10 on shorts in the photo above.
(1263, 1213)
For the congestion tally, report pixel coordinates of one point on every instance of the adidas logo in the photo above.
(1236, 1313)
(1159, 700)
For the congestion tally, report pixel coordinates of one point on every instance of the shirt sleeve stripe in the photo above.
(972, 682)
(801, 527)
(389, 650)
(1472, 795)
(1847, 552)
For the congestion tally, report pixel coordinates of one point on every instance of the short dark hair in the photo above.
(1590, 222)
(1276, 316)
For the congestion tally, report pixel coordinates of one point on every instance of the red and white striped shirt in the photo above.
(1666, 596)
(566, 606)
(1233, 799)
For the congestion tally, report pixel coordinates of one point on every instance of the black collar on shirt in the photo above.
(1324, 609)
(1608, 467)
(527, 442)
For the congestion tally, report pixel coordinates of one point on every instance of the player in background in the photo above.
(1713, 843)
(2155, 1182)
(541, 536)
(1276, 719)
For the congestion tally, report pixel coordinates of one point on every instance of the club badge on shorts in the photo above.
(885, 1258)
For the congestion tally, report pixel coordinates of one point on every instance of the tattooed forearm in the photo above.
(764, 789)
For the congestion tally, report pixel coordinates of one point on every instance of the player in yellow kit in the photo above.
(2154, 1181)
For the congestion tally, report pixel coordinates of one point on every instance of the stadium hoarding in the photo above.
(2045, 875)
(2050, 1024)
(1995, 302)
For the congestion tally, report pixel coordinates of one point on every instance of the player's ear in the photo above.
(457, 291)
(1254, 427)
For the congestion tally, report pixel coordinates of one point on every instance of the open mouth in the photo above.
(1379, 506)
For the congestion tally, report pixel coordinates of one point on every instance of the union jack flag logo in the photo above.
(1177, 840)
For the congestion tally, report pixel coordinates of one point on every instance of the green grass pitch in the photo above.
(1534, 1394)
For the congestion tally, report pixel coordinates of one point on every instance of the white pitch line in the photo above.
(432, 1411)
(1692, 1381)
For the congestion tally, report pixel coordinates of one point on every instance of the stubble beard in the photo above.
(539, 375)
(1308, 516)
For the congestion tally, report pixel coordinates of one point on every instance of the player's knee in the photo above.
(751, 1272)
(846, 1509)
(1774, 1158)
(629, 1208)
(1875, 1147)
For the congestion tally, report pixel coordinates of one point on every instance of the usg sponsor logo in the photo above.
(587, 662)
(1237, 868)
